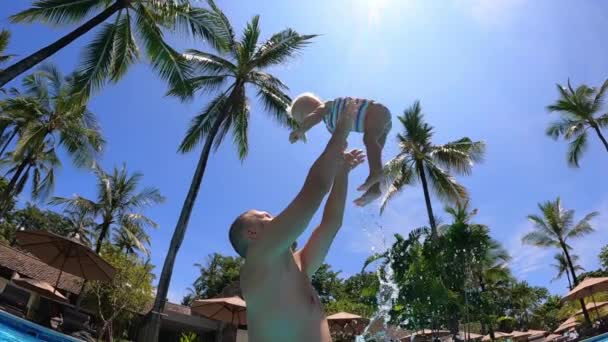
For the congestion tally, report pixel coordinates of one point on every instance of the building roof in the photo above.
(30, 266)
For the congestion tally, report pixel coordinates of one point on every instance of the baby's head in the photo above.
(303, 105)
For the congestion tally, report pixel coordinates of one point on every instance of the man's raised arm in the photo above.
(314, 252)
(285, 228)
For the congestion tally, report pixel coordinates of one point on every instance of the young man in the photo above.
(281, 302)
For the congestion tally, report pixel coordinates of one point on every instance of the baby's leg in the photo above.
(374, 138)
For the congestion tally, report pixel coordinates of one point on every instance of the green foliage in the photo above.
(506, 324)
(420, 160)
(580, 110)
(555, 228)
(218, 273)
(116, 46)
(118, 301)
(47, 120)
(547, 315)
(188, 337)
(243, 64)
(117, 208)
(5, 36)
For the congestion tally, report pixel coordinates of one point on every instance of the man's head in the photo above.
(303, 105)
(247, 228)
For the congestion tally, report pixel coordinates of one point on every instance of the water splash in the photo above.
(378, 330)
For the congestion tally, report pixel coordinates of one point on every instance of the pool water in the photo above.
(15, 329)
(599, 338)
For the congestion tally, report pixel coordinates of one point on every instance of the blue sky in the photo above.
(481, 68)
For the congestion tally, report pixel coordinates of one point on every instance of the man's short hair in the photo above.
(238, 241)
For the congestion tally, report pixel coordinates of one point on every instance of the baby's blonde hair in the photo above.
(302, 99)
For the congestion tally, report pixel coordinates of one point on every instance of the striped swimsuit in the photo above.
(331, 118)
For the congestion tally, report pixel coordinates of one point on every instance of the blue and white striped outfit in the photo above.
(331, 118)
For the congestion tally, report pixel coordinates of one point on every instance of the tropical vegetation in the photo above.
(453, 276)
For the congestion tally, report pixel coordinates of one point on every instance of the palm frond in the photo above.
(576, 149)
(170, 65)
(280, 47)
(602, 120)
(240, 130)
(57, 12)
(583, 227)
(96, 66)
(209, 63)
(444, 185)
(206, 84)
(201, 124)
(5, 36)
(198, 22)
(400, 180)
(276, 103)
(246, 48)
(124, 49)
(458, 156)
(222, 27)
(539, 239)
(599, 97)
(147, 197)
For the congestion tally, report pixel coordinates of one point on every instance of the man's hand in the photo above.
(352, 159)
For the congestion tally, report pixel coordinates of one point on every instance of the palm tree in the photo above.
(132, 238)
(81, 225)
(580, 110)
(47, 119)
(554, 229)
(114, 48)
(561, 266)
(118, 203)
(419, 159)
(243, 66)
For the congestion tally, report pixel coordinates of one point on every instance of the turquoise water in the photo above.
(599, 338)
(15, 329)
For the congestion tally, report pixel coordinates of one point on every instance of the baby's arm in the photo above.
(312, 119)
(309, 122)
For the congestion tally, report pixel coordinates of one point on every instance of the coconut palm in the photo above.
(47, 119)
(561, 266)
(81, 225)
(130, 25)
(580, 111)
(228, 75)
(118, 205)
(554, 229)
(132, 238)
(419, 159)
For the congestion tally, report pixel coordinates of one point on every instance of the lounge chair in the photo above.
(14, 300)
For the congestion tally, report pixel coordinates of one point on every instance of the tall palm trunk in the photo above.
(150, 333)
(30, 61)
(5, 198)
(105, 226)
(599, 134)
(427, 199)
(482, 286)
(575, 282)
(569, 281)
(8, 141)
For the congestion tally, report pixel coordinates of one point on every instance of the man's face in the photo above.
(255, 222)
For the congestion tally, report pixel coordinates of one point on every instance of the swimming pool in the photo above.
(15, 329)
(598, 338)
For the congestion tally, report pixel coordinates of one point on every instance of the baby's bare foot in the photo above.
(368, 197)
(372, 179)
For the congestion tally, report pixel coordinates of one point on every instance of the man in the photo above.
(282, 305)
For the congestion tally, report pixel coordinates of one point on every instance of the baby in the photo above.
(372, 119)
